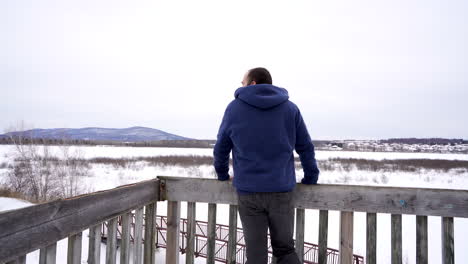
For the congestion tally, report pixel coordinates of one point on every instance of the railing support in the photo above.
(300, 228)
(447, 240)
(323, 236)
(232, 240)
(421, 239)
(138, 232)
(191, 215)
(396, 230)
(211, 233)
(173, 232)
(125, 239)
(94, 247)
(48, 254)
(371, 238)
(346, 237)
(150, 234)
(111, 245)
(74, 249)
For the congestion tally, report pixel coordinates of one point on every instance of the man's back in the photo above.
(262, 127)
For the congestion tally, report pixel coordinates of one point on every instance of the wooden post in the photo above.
(173, 232)
(125, 239)
(111, 246)
(396, 230)
(190, 251)
(447, 241)
(323, 236)
(74, 249)
(138, 254)
(211, 233)
(346, 237)
(300, 226)
(421, 240)
(94, 249)
(371, 238)
(150, 234)
(232, 240)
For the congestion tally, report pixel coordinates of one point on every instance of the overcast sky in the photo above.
(356, 69)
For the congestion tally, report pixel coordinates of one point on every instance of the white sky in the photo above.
(356, 69)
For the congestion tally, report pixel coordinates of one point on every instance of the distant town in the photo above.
(398, 145)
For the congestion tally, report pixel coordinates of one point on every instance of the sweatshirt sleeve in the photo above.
(222, 149)
(305, 149)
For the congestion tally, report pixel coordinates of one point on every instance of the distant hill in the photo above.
(131, 134)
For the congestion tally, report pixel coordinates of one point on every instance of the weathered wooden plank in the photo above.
(346, 237)
(111, 242)
(371, 238)
(38, 226)
(397, 257)
(150, 234)
(372, 199)
(323, 236)
(51, 254)
(421, 240)
(300, 228)
(447, 241)
(173, 230)
(74, 248)
(190, 251)
(232, 240)
(210, 259)
(125, 239)
(94, 245)
(138, 233)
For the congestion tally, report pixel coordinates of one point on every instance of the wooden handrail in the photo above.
(31, 228)
(349, 198)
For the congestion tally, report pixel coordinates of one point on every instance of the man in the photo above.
(262, 128)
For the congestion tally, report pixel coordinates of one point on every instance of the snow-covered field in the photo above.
(104, 176)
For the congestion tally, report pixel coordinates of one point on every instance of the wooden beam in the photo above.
(27, 229)
(346, 237)
(111, 244)
(371, 238)
(300, 229)
(190, 251)
(447, 241)
(421, 240)
(210, 259)
(138, 233)
(323, 237)
(74, 248)
(232, 240)
(94, 247)
(372, 199)
(125, 239)
(173, 232)
(396, 229)
(150, 234)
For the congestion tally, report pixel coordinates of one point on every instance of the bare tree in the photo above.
(40, 175)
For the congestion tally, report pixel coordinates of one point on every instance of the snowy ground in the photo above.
(107, 176)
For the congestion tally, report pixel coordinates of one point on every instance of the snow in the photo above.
(7, 203)
(106, 176)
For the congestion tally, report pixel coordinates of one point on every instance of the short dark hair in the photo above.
(259, 75)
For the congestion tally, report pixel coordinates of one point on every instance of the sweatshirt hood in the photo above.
(262, 96)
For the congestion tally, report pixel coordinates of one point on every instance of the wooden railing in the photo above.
(41, 226)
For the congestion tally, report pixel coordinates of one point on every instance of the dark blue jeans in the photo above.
(260, 212)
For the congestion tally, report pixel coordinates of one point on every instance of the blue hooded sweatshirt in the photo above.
(263, 128)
